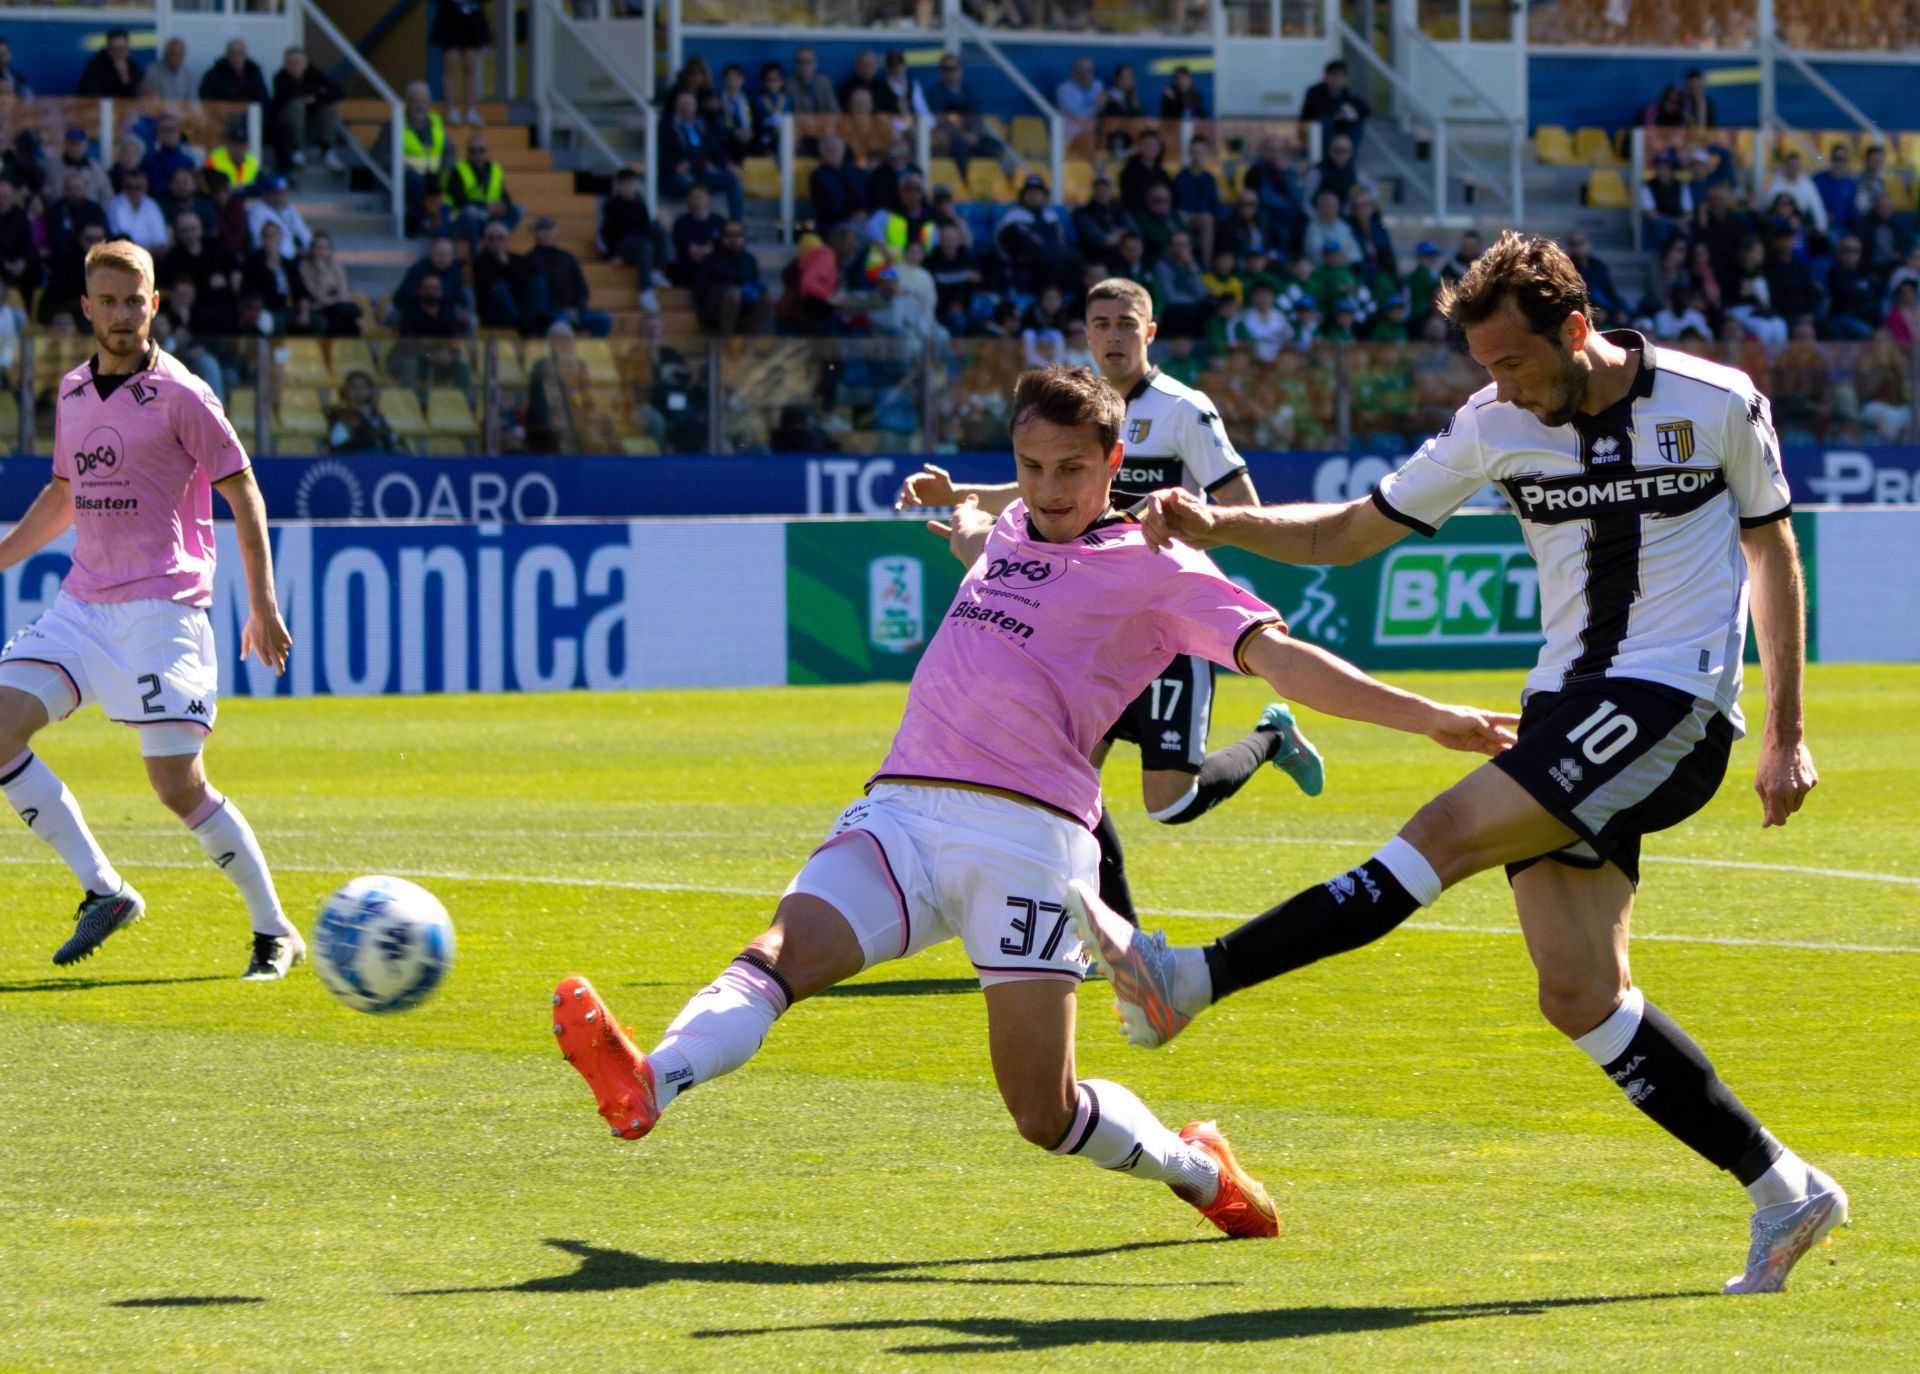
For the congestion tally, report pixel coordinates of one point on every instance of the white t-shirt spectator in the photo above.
(1805, 195)
(1668, 326)
(1268, 331)
(143, 223)
(295, 237)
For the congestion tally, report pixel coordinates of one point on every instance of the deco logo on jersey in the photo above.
(100, 453)
(1675, 440)
(1025, 572)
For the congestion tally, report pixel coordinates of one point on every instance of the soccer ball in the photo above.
(382, 944)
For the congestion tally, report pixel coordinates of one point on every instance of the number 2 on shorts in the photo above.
(150, 703)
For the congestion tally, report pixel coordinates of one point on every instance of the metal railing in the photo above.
(1514, 192)
(871, 395)
(394, 176)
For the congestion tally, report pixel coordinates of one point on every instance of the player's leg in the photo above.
(858, 900)
(1180, 781)
(1483, 820)
(43, 677)
(1575, 921)
(1030, 1038)
(1115, 890)
(178, 774)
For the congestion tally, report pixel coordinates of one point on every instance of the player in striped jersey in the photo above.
(1648, 485)
(1173, 437)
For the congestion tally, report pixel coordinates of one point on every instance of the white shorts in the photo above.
(148, 664)
(910, 867)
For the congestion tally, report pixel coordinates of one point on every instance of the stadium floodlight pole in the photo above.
(1637, 141)
(107, 150)
(1057, 155)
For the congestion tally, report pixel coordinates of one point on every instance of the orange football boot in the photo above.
(1242, 1208)
(592, 1041)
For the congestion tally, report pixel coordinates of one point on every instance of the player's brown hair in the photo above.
(121, 255)
(1123, 289)
(1530, 271)
(1069, 396)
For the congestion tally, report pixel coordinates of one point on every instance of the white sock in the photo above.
(50, 812)
(1786, 1181)
(1410, 869)
(1607, 1041)
(1113, 1128)
(1192, 983)
(719, 1029)
(229, 841)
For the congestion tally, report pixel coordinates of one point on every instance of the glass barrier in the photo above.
(644, 396)
(1164, 17)
(1685, 24)
(814, 14)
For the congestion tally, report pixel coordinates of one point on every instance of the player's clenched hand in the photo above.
(1785, 777)
(1178, 514)
(1472, 731)
(266, 635)
(931, 486)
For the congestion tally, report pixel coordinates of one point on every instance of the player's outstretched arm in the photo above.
(50, 513)
(1313, 677)
(967, 535)
(1786, 773)
(265, 633)
(1308, 534)
(934, 486)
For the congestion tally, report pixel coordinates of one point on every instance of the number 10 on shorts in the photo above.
(1604, 733)
(1026, 924)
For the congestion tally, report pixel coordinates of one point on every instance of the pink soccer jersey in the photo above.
(1043, 647)
(142, 462)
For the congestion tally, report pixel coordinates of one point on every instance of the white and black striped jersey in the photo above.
(1633, 515)
(1172, 438)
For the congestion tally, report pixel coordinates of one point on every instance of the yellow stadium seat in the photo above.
(1028, 134)
(1077, 182)
(304, 363)
(802, 173)
(1744, 147)
(1909, 154)
(300, 413)
(241, 401)
(638, 446)
(402, 408)
(449, 411)
(351, 356)
(1606, 190)
(507, 363)
(598, 357)
(944, 171)
(1553, 145)
(761, 177)
(986, 181)
(1594, 148)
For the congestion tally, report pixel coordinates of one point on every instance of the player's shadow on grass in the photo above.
(905, 987)
(606, 1271)
(82, 984)
(986, 1335)
(212, 1301)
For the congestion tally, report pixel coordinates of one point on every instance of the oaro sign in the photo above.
(1458, 594)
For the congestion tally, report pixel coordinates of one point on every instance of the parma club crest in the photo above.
(1137, 431)
(1675, 440)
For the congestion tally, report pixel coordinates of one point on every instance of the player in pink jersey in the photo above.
(978, 820)
(140, 445)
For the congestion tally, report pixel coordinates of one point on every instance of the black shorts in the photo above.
(1170, 720)
(455, 27)
(1615, 759)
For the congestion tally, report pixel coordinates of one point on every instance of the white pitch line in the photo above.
(633, 885)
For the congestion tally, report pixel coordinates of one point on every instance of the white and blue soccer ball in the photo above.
(382, 944)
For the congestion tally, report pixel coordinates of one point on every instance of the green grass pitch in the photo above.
(196, 1173)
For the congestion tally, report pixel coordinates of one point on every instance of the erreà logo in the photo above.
(1605, 449)
(1459, 594)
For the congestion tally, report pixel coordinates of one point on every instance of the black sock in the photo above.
(1114, 889)
(1349, 911)
(1224, 772)
(1668, 1077)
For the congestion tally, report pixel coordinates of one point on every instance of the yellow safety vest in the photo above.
(423, 158)
(470, 184)
(222, 162)
(897, 233)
